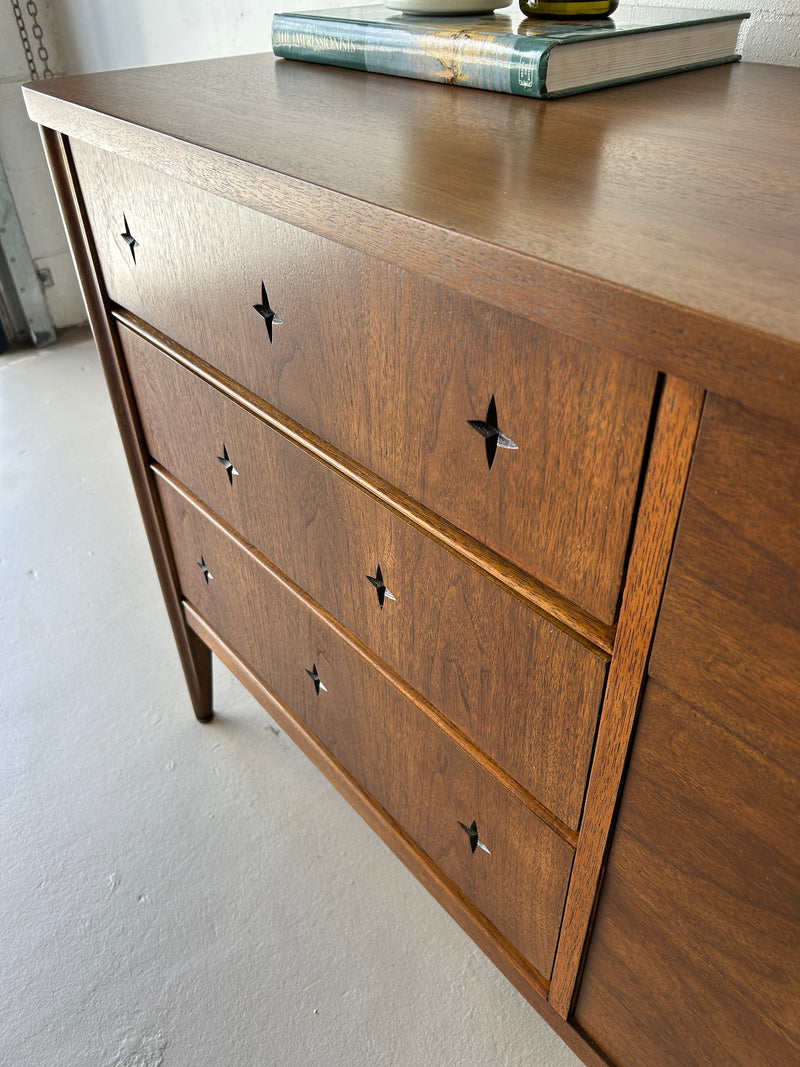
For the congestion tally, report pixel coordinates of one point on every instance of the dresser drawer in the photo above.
(524, 691)
(434, 789)
(405, 376)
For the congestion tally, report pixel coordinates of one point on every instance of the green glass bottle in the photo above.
(568, 9)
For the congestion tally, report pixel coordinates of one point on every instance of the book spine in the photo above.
(514, 65)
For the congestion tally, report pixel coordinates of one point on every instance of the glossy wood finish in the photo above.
(693, 957)
(428, 784)
(569, 617)
(522, 690)
(537, 244)
(694, 953)
(731, 618)
(607, 218)
(194, 655)
(390, 368)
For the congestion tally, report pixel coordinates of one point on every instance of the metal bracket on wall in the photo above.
(22, 303)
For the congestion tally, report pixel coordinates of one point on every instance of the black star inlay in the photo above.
(315, 678)
(488, 429)
(266, 312)
(204, 568)
(380, 587)
(474, 839)
(225, 460)
(129, 239)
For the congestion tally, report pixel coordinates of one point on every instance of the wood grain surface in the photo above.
(674, 436)
(597, 636)
(693, 958)
(390, 369)
(526, 693)
(731, 617)
(607, 216)
(428, 784)
(694, 955)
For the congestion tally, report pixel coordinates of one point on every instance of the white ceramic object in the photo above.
(446, 7)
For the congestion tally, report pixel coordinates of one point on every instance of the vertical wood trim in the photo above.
(194, 654)
(668, 469)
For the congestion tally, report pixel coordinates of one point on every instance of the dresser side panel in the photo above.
(694, 953)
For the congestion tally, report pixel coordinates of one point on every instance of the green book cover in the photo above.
(509, 52)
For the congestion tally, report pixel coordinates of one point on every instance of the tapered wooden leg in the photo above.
(199, 676)
(194, 654)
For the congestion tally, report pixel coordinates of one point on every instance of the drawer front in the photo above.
(440, 795)
(419, 383)
(525, 692)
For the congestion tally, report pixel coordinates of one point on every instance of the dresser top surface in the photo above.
(685, 189)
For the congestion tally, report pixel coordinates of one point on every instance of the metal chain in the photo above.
(38, 33)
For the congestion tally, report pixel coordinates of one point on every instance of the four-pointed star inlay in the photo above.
(129, 239)
(204, 568)
(225, 460)
(266, 312)
(315, 678)
(380, 587)
(474, 838)
(489, 430)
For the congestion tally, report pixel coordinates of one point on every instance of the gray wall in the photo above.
(21, 154)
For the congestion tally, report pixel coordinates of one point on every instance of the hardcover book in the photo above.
(508, 52)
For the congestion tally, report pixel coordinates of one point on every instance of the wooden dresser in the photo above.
(466, 431)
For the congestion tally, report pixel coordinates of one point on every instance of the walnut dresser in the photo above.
(466, 431)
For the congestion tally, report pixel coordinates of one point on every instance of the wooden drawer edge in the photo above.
(525, 979)
(578, 624)
(458, 906)
(701, 346)
(424, 706)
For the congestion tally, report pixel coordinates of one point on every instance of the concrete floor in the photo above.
(170, 893)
